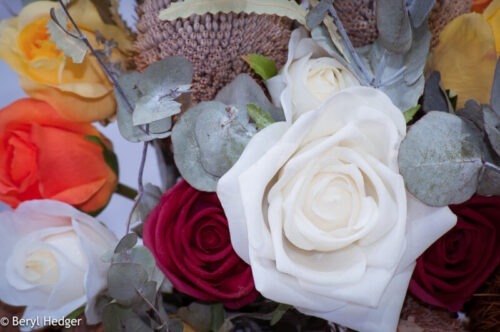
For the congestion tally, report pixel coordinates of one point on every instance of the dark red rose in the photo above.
(451, 270)
(188, 234)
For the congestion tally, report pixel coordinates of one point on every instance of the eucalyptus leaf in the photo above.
(207, 140)
(148, 293)
(197, 315)
(126, 243)
(71, 47)
(472, 112)
(152, 96)
(435, 98)
(244, 90)
(440, 159)
(495, 90)
(489, 181)
(124, 279)
(419, 10)
(492, 127)
(147, 202)
(118, 318)
(317, 14)
(142, 256)
(393, 24)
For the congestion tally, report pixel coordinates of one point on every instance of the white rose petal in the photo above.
(51, 259)
(319, 210)
(309, 77)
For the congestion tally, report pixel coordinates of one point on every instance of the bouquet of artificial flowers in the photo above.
(318, 159)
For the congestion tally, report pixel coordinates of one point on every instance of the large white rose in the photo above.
(50, 259)
(319, 211)
(309, 77)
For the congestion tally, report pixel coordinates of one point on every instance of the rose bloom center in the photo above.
(34, 41)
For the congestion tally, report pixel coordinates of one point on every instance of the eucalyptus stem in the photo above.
(126, 191)
(354, 55)
(140, 185)
(492, 166)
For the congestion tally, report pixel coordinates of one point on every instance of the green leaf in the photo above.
(126, 243)
(70, 46)
(410, 113)
(76, 313)
(279, 312)
(440, 159)
(261, 119)
(263, 66)
(197, 315)
(217, 320)
(109, 155)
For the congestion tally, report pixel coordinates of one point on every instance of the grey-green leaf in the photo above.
(489, 181)
(244, 90)
(124, 279)
(126, 243)
(217, 320)
(473, 112)
(440, 159)
(70, 46)
(279, 312)
(207, 140)
(317, 14)
(419, 10)
(492, 127)
(393, 24)
(435, 98)
(495, 90)
(147, 202)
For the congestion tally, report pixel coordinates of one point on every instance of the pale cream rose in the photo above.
(320, 212)
(51, 259)
(79, 92)
(309, 77)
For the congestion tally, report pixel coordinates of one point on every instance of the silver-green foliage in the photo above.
(147, 112)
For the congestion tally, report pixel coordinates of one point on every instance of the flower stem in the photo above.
(126, 191)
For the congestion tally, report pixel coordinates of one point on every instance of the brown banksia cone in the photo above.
(359, 20)
(445, 11)
(213, 43)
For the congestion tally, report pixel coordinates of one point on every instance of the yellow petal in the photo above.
(492, 15)
(466, 58)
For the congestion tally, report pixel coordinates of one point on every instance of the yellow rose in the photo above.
(492, 16)
(466, 57)
(79, 92)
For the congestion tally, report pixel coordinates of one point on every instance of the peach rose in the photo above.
(45, 156)
(80, 92)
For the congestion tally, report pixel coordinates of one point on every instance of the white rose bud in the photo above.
(308, 78)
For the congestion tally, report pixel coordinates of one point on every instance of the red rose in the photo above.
(451, 270)
(188, 234)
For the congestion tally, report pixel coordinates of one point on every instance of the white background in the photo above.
(129, 154)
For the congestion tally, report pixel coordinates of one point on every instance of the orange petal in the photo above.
(466, 58)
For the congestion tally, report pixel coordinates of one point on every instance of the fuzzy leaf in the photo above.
(393, 24)
(419, 10)
(263, 66)
(244, 90)
(207, 140)
(261, 119)
(410, 113)
(495, 90)
(124, 279)
(440, 159)
(435, 98)
(492, 128)
(317, 14)
(70, 46)
(472, 112)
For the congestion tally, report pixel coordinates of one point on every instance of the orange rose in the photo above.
(43, 155)
(79, 92)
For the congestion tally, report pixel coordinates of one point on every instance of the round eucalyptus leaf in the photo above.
(124, 279)
(440, 159)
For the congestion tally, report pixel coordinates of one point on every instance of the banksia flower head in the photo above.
(359, 20)
(213, 43)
